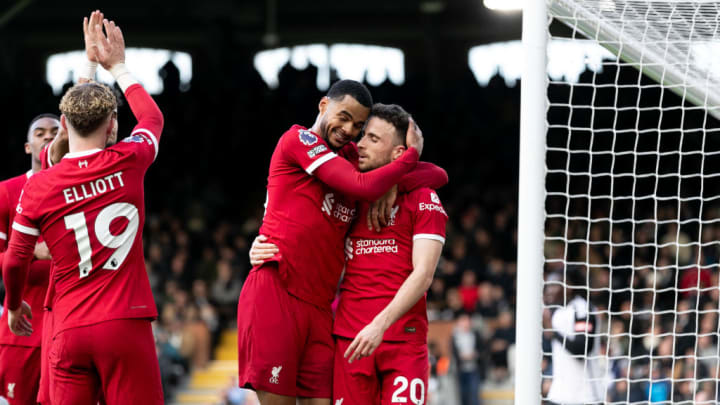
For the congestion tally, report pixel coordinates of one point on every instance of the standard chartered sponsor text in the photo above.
(375, 246)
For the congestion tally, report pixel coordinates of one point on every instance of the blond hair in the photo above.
(87, 106)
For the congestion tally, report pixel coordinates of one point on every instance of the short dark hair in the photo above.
(395, 115)
(38, 118)
(41, 116)
(351, 88)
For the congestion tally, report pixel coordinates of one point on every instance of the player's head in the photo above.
(343, 112)
(41, 131)
(384, 136)
(90, 109)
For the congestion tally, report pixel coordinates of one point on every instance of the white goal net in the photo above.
(632, 206)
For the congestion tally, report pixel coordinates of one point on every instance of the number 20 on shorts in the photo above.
(417, 391)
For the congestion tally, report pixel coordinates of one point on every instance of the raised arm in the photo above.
(109, 50)
(342, 176)
(425, 175)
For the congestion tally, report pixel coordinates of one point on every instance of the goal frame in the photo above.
(646, 57)
(531, 206)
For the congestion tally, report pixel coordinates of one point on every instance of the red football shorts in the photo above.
(43, 396)
(396, 373)
(285, 345)
(115, 357)
(19, 374)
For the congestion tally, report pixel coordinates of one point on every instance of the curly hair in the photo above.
(87, 106)
(395, 115)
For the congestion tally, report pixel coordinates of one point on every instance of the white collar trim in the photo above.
(82, 153)
(29, 173)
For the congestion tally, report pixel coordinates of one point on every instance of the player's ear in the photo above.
(397, 151)
(111, 123)
(322, 106)
(63, 122)
(27, 148)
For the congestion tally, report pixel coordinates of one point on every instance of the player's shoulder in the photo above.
(425, 199)
(137, 138)
(17, 181)
(424, 194)
(40, 179)
(299, 135)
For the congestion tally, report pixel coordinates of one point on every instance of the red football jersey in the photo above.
(37, 283)
(379, 263)
(305, 218)
(90, 209)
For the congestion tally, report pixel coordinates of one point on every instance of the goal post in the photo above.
(531, 194)
(620, 183)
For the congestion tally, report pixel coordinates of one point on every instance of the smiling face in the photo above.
(379, 145)
(41, 132)
(341, 120)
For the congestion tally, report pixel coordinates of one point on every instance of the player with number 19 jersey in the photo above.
(90, 206)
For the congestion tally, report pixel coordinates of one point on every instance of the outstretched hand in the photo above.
(90, 34)
(109, 46)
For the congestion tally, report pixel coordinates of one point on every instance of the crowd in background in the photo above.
(205, 197)
(196, 273)
(657, 302)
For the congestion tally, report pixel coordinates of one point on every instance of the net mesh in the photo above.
(633, 206)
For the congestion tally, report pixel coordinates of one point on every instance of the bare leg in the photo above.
(267, 398)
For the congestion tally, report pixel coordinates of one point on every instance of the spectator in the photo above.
(502, 339)
(226, 289)
(466, 345)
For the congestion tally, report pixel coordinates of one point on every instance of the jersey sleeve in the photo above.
(4, 218)
(145, 137)
(45, 160)
(429, 216)
(25, 233)
(306, 150)
(16, 264)
(27, 211)
(425, 175)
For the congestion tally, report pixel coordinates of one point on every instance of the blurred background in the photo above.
(231, 77)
